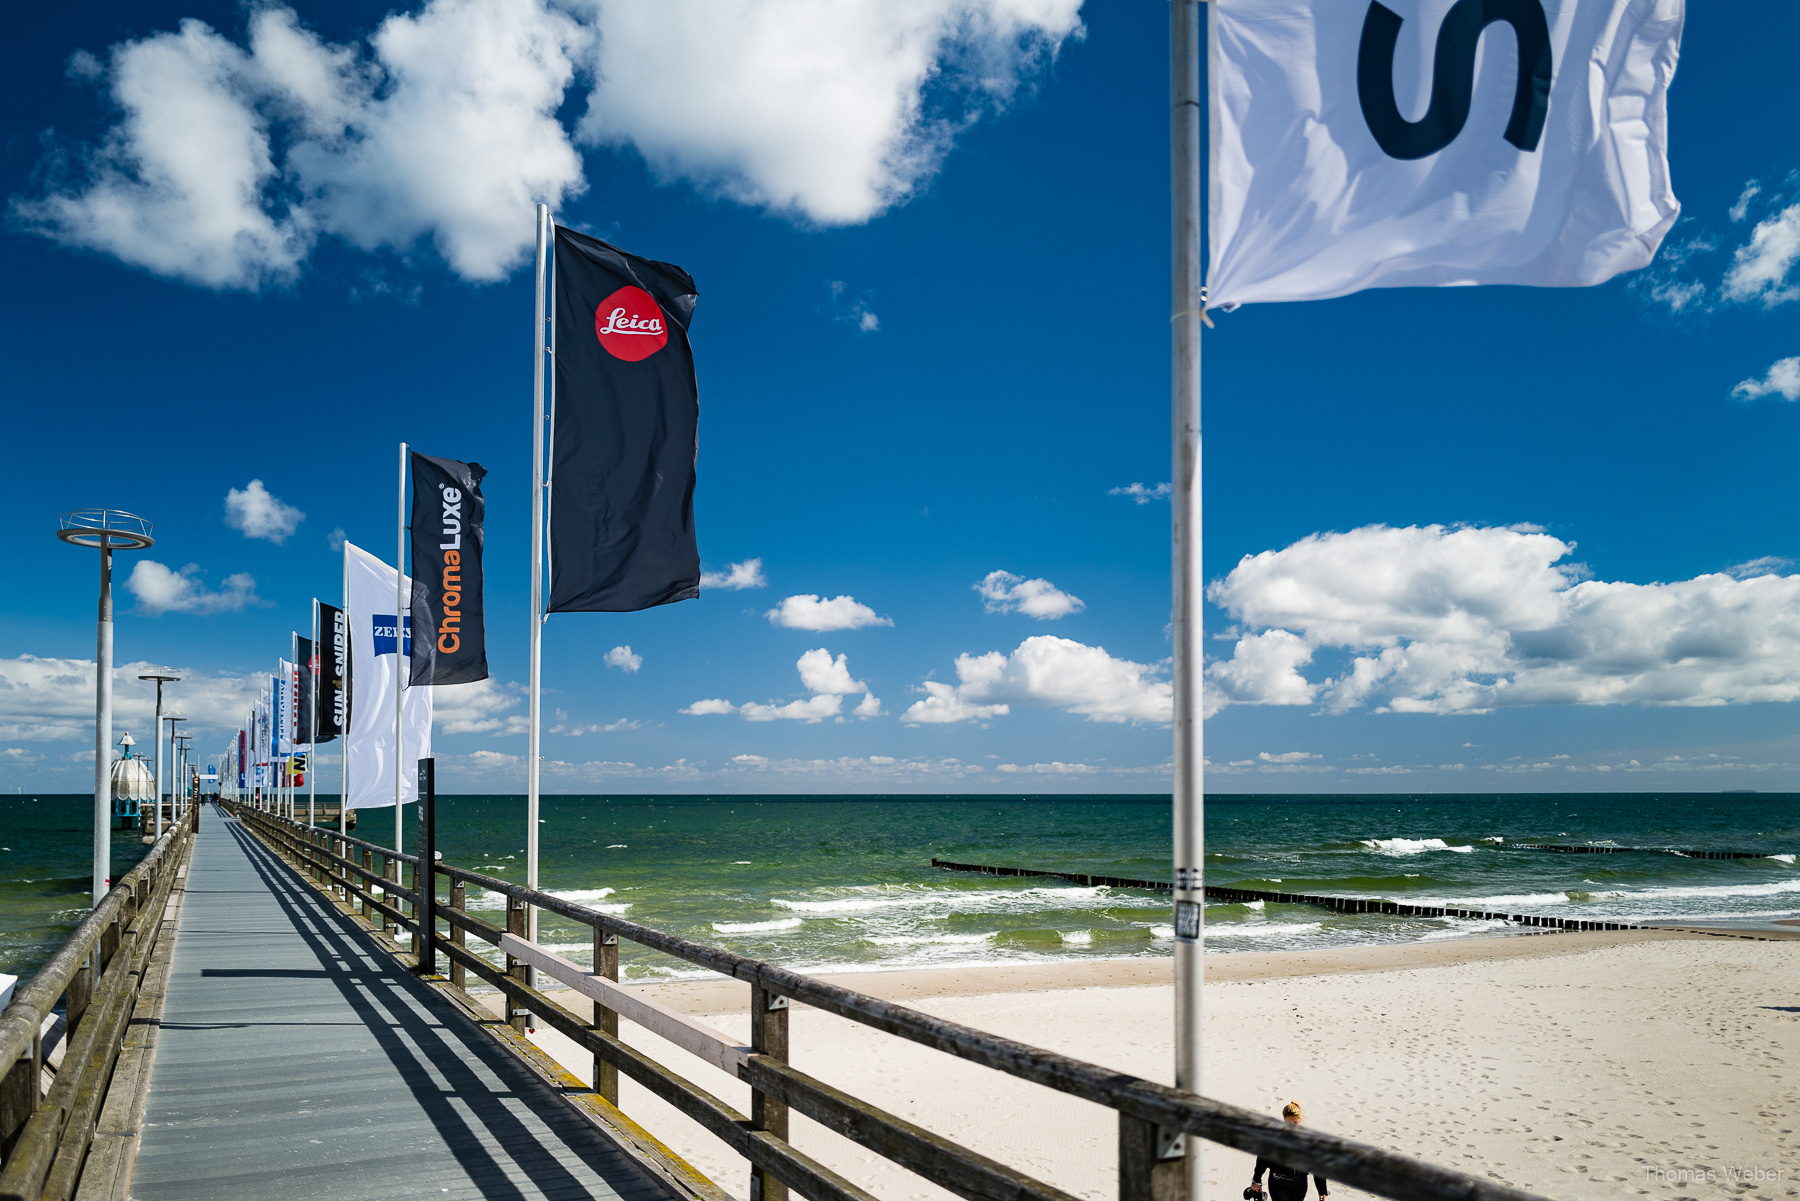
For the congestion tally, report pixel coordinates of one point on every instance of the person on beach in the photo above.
(1285, 1184)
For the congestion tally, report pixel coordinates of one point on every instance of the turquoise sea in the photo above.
(845, 883)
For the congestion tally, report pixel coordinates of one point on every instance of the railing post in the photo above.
(390, 872)
(606, 964)
(1152, 1162)
(459, 895)
(516, 968)
(768, 1036)
(19, 1096)
(368, 863)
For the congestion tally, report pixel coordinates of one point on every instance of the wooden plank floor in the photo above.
(293, 1063)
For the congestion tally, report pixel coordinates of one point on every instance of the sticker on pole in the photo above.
(1187, 921)
(630, 325)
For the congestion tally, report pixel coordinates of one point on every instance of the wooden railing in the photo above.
(1153, 1118)
(62, 1035)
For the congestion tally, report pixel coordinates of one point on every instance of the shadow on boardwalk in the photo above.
(295, 1062)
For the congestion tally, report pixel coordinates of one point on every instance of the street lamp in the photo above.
(160, 679)
(174, 772)
(184, 739)
(105, 530)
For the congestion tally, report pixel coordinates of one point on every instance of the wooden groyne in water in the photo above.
(1335, 904)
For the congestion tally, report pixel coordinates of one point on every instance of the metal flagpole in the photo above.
(399, 648)
(312, 745)
(1185, 314)
(537, 562)
(344, 745)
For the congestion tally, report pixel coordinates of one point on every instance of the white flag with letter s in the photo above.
(1404, 143)
(377, 648)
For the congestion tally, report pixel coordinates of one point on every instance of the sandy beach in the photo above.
(1577, 1066)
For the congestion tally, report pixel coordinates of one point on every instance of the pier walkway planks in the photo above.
(293, 1063)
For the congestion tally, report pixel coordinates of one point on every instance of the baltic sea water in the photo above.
(823, 883)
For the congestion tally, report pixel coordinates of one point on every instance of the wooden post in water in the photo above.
(459, 895)
(516, 968)
(768, 1036)
(606, 963)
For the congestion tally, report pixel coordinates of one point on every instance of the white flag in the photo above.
(369, 612)
(1362, 144)
(284, 708)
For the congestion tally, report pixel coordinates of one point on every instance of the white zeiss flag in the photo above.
(1402, 143)
(369, 613)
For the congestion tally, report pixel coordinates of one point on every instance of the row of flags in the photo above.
(623, 442)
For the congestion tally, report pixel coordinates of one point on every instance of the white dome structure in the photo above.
(132, 779)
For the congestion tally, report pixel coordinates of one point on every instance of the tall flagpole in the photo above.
(1185, 312)
(344, 734)
(537, 561)
(399, 648)
(312, 735)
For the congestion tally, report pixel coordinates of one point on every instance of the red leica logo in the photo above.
(630, 326)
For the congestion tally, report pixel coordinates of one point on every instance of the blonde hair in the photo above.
(1292, 1110)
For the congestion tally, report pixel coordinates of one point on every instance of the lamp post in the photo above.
(105, 530)
(174, 770)
(161, 679)
(184, 740)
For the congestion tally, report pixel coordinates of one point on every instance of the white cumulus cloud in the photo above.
(826, 111)
(748, 574)
(1050, 672)
(52, 700)
(478, 708)
(819, 672)
(827, 678)
(1141, 495)
(255, 512)
(813, 709)
(1004, 592)
(1436, 619)
(160, 590)
(710, 708)
(815, 613)
(623, 658)
(1759, 270)
(1782, 379)
(232, 157)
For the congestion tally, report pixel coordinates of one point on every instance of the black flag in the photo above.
(334, 673)
(305, 659)
(449, 643)
(624, 438)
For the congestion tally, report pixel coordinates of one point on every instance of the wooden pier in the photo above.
(245, 1017)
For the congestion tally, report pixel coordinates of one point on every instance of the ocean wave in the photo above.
(1507, 899)
(1078, 938)
(589, 897)
(784, 923)
(961, 900)
(927, 940)
(1262, 929)
(1787, 859)
(1411, 846)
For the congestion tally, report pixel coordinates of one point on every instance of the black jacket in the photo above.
(1286, 1180)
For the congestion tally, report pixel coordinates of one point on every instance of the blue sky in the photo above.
(932, 345)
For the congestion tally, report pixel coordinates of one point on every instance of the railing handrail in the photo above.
(1386, 1173)
(33, 1000)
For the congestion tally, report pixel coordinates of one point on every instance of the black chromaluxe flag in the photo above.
(334, 674)
(446, 559)
(624, 438)
(304, 659)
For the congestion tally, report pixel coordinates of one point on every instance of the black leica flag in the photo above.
(449, 643)
(624, 437)
(333, 715)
